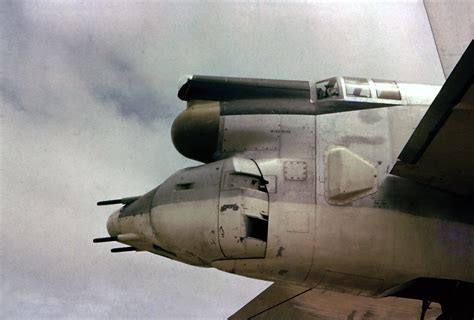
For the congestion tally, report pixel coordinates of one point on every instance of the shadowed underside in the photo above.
(292, 302)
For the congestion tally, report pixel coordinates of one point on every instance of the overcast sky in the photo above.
(88, 95)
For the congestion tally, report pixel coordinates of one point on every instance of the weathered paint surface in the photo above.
(377, 242)
(276, 302)
(392, 232)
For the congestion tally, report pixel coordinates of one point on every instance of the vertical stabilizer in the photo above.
(452, 24)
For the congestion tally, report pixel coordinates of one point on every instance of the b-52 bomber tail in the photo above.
(348, 188)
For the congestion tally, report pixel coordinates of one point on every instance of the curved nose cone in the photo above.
(113, 227)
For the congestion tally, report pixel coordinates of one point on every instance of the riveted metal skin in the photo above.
(260, 205)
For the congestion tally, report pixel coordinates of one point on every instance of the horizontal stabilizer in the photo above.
(439, 152)
(283, 301)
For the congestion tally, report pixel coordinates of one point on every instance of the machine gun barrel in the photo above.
(106, 239)
(123, 249)
(124, 201)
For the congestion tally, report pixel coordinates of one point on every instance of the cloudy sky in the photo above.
(88, 95)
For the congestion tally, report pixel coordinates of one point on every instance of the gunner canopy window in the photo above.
(327, 88)
(387, 90)
(357, 87)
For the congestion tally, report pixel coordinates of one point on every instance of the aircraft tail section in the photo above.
(452, 27)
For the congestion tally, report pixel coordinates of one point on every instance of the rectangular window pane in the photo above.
(387, 90)
(327, 89)
(357, 87)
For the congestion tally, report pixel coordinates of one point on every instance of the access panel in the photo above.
(243, 210)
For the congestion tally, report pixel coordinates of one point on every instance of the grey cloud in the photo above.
(82, 122)
(110, 76)
(130, 93)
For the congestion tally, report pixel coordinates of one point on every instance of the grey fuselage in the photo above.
(280, 204)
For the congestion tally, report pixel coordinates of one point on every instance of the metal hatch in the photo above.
(243, 210)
